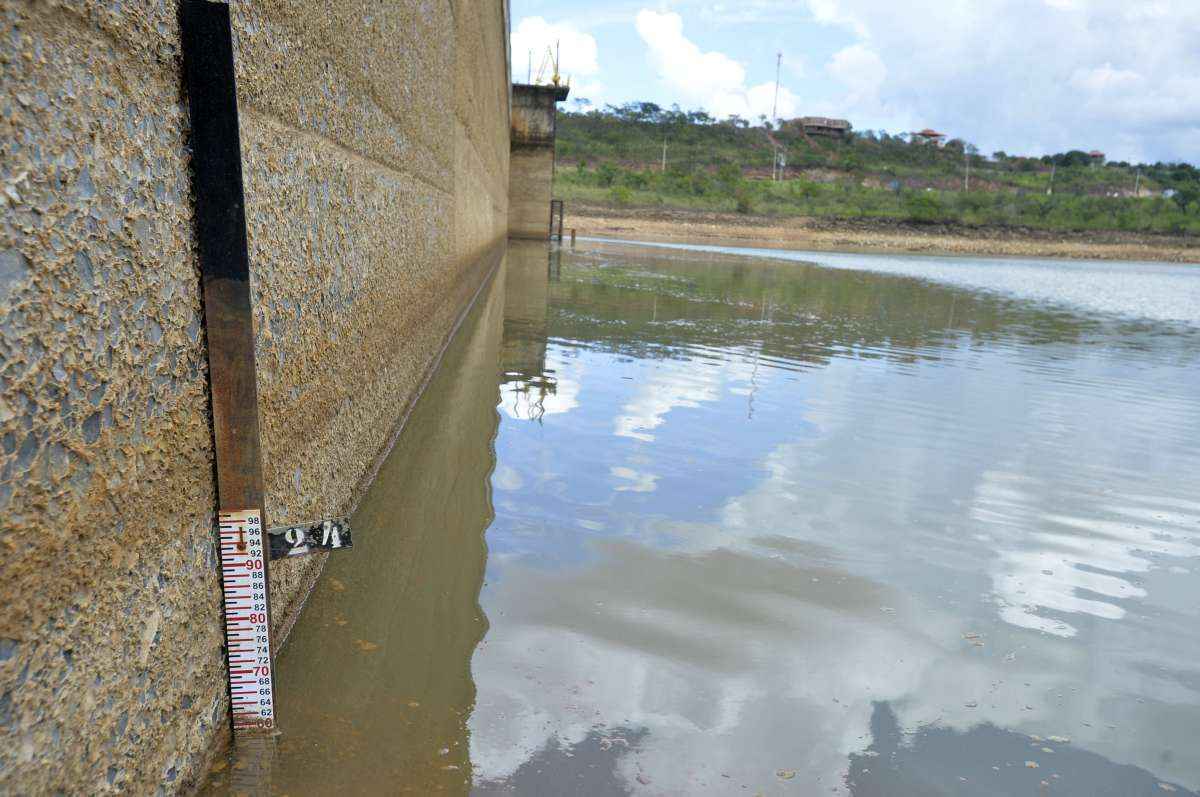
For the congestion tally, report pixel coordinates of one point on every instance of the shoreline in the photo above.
(882, 237)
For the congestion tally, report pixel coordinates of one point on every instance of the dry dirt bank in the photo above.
(873, 236)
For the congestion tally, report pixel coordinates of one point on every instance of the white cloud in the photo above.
(859, 69)
(1025, 76)
(577, 51)
(1105, 78)
(1008, 74)
(712, 79)
(742, 12)
(831, 12)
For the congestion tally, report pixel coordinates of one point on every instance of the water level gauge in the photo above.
(247, 625)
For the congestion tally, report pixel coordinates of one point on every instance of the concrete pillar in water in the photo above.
(531, 164)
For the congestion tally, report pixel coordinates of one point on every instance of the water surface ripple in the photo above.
(674, 521)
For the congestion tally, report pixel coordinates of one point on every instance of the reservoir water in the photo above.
(685, 521)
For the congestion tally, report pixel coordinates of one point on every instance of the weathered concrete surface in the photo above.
(412, 589)
(375, 149)
(531, 174)
(531, 180)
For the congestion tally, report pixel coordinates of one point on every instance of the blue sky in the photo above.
(1024, 76)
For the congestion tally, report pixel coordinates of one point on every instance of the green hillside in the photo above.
(615, 156)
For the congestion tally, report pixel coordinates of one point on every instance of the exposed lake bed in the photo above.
(874, 236)
(677, 521)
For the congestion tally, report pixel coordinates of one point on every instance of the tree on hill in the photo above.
(726, 164)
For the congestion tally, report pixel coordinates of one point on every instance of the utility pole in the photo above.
(775, 103)
(775, 117)
(1053, 169)
(967, 172)
(1137, 183)
(664, 157)
(530, 78)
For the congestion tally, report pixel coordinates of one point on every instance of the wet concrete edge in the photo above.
(482, 272)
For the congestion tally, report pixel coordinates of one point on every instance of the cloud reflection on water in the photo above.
(920, 527)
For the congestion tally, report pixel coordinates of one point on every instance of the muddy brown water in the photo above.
(672, 521)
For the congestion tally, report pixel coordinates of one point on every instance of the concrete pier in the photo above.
(531, 160)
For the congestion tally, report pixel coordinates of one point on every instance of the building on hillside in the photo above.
(929, 136)
(824, 126)
(1097, 157)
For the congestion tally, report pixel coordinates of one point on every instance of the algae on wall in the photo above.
(375, 150)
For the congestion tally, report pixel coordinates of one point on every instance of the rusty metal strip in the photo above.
(220, 222)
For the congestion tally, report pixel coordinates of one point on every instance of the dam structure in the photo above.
(531, 168)
(375, 152)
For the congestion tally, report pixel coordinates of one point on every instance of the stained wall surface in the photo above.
(531, 183)
(375, 154)
(531, 176)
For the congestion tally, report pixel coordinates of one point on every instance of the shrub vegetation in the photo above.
(614, 156)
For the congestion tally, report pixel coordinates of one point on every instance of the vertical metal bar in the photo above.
(220, 220)
(556, 206)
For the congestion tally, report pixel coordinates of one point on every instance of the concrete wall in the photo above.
(530, 182)
(531, 176)
(375, 150)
